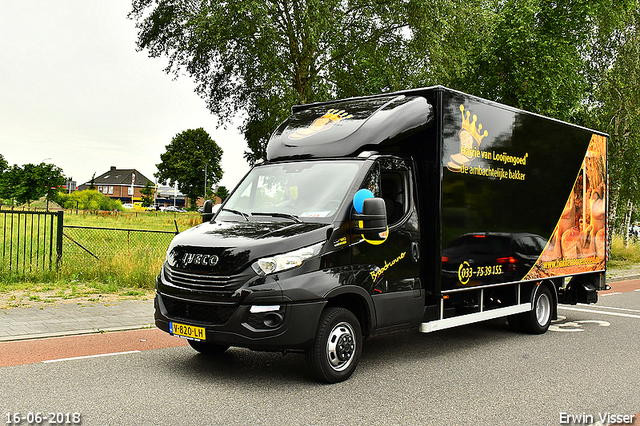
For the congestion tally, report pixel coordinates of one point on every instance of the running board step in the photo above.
(428, 327)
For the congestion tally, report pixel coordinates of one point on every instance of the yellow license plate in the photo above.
(189, 331)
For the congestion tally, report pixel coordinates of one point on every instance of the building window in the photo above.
(129, 190)
(111, 190)
(99, 188)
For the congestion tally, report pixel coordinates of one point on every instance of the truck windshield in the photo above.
(291, 191)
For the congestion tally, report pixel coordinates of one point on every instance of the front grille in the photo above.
(202, 281)
(214, 314)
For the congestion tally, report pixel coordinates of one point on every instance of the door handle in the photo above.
(415, 251)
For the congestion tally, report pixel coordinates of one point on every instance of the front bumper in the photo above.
(267, 328)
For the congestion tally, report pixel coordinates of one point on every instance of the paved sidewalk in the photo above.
(23, 323)
(614, 275)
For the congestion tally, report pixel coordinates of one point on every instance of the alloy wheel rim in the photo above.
(543, 309)
(341, 346)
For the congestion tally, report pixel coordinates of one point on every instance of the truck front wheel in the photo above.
(335, 353)
(537, 321)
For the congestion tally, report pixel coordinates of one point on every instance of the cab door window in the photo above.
(394, 179)
(388, 179)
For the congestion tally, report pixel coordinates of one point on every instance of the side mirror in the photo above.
(207, 211)
(372, 222)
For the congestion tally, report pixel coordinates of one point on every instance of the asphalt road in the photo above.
(588, 364)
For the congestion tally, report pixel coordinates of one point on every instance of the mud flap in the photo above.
(581, 289)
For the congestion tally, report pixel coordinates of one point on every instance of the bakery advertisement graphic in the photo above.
(578, 243)
(493, 164)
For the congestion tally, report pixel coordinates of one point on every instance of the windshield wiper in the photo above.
(238, 212)
(276, 214)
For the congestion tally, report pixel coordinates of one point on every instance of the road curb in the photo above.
(623, 278)
(72, 333)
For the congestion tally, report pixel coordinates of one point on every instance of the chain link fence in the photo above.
(132, 257)
(39, 247)
(81, 242)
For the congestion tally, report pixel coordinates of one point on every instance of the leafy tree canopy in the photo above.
(147, 193)
(617, 112)
(30, 182)
(222, 192)
(3, 164)
(544, 56)
(185, 161)
(259, 58)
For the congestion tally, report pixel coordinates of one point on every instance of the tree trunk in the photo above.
(627, 222)
(613, 208)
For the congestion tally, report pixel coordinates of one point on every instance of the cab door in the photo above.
(392, 264)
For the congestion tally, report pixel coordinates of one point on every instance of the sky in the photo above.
(74, 92)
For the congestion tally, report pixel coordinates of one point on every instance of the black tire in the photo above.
(207, 348)
(336, 350)
(537, 321)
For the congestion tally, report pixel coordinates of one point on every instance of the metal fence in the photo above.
(31, 241)
(82, 243)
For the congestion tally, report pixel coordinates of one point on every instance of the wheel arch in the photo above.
(356, 300)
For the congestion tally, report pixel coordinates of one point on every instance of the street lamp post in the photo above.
(205, 183)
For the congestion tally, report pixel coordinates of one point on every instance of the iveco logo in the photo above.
(200, 259)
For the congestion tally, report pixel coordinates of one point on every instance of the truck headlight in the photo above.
(282, 262)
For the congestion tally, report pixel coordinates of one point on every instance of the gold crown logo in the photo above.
(471, 126)
(336, 115)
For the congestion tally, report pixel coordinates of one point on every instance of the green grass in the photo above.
(624, 257)
(127, 263)
(158, 221)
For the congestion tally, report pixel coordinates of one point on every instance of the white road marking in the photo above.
(576, 325)
(89, 356)
(613, 307)
(592, 311)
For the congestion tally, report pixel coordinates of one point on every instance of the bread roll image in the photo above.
(601, 244)
(569, 241)
(586, 247)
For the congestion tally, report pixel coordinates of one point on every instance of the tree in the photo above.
(92, 182)
(222, 192)
(31, 181)
(53, 179)
(9, 181)
(543, 56)
(3, 164)
(259, 58)
(618, 113)
(185, 160)
(147, 194)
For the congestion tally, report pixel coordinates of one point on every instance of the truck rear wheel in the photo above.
(537, 321)
(335, 353)
(207, 348)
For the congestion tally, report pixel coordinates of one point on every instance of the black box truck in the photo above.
(423, 209)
